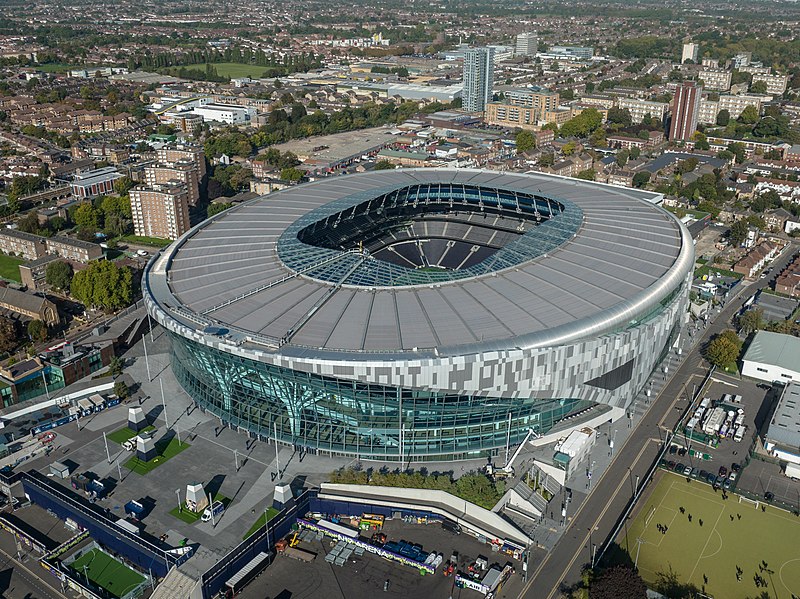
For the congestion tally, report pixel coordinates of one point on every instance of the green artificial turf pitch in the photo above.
(734, 533)
(106, 572)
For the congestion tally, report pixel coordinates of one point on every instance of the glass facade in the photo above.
(329, 415)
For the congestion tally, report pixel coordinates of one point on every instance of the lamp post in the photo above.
(180, 506)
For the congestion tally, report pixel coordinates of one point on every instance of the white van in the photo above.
(216, 509)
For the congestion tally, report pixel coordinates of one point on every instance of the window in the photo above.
(761, 369)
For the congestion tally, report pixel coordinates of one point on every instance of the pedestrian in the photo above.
(690, 517)
(738, 516)
(705, 579)
(731, 517)
(700, 521)
(682, 510)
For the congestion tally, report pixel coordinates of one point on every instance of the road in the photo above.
(594, 522)
(24, 582)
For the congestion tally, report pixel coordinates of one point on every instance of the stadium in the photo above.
(422, 314)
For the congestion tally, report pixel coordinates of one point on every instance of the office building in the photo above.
(690, 52)
(445, 352)
(221, 113)
(527, 44)
(478, 78)
(685, 106)
(571, 52)
(161, 210)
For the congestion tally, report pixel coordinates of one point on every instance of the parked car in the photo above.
(703, 475)
(732, 476)
(671, 465)
(727, 484)
(736, 466)
(679, 468)
(723, 471)
(693, 473)
(687, 471)
(769, 495)
(711, 478)
(682, 451)
(673, 449)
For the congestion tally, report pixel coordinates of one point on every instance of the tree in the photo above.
(583, 124)
(104, 285)
(115, 366)
(8, 335)
(383, 165)
(588, 175)
(738, 233)
(749, 115)
(752, 320)
(618, 582)
(619, 116)
(641, 179)
(525, 141)
(217, 207)
(621, 157)
(738, 150)
(547, 160)
(37, 330)
(87, 217)
(121, 389)
(758, 87)
(598, 138)
(569, 148)
(123, 185)
(724, 349)
(291, 173)
(723, 117)
(59, 275)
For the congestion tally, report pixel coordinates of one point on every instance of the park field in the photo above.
(9, 267)
(233, 69)
(106, 572)
(708, 537)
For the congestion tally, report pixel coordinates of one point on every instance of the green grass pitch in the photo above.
(106, 572)
(733, 534)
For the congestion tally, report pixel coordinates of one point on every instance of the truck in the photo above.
(299, 554)
(214, 511)
(792, 470)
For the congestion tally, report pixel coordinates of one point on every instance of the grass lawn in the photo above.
(9, 267)
(164, 449)
(192, 517)
(106, 572)
(706, 269)
(154, 241)
(271, 513)
(125, 433)
(233, 69)
(724, 541)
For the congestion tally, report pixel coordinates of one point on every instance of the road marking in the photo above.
(35, 581)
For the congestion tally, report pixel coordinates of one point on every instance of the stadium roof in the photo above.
(607, 269)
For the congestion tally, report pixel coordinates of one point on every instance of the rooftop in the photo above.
(775, 349)
(785, 425)
(608, 256)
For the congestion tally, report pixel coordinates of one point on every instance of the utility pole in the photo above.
(178, 493)
(146, 359)
(508, 437)
(277, 456)
(236, 459)
(105, 440)
(164, 403)
(211, 508)
(266, 526)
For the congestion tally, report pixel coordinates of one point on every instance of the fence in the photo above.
(263, 539)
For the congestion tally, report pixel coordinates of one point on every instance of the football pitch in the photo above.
(707, 538)
(106, 572)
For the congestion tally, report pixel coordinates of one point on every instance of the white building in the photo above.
(230, 115)
(690, 52)
(776, 84)
(527, 44)
(707, 113)
(715, 79)
(772, 357)
(641, 108)
(478, 78)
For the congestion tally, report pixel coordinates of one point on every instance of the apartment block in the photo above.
(161, 210)
(184, 171)
(74, 249)
(776, 84)
(169, 155)
(25, 245)
(715, 79)
(641, 108)
(539, 99)
(507, 115)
